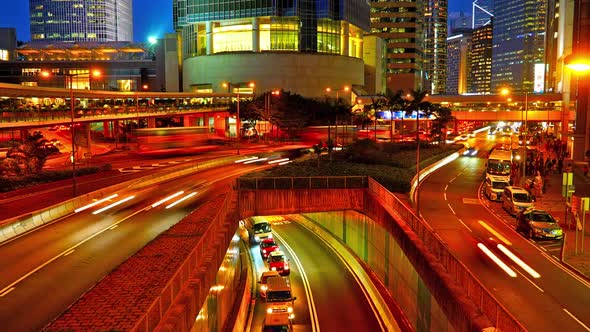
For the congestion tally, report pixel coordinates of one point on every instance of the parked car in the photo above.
(267, 246)
(278, 262)
(538, 223)
(516, 199)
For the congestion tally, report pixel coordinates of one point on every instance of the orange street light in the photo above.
(577, 63)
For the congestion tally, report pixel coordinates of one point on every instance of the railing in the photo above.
(100, 114)
(156, 312)
(500, 316)
(309, 182)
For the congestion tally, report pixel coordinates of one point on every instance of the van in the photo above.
(279, 301)
(516, 199)
(260, 229)
(493, 187)
(264, 281)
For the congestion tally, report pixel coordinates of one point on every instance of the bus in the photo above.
(176, 140)
(499, 164)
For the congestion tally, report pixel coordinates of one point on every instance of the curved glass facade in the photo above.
(311, 26)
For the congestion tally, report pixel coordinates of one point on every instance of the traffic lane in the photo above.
(340, 303)
(76, 271)
(302, 320)
(22, 254)
(514, 293)
(569, 291)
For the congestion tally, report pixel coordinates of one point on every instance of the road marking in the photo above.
(51, 260)
(114, 227)
(451, 209)
(69, 252)
(445, 195)
(577, 320)
(461, 221)
(539, 288)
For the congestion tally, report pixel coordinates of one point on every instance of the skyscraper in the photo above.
(399, 24)
(481, 59)
(482, 12)
(458, 63)
(434, 46)
(77, 20)
(518, 37)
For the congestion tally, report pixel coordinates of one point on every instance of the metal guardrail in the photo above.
(496, 312)
(309, 182)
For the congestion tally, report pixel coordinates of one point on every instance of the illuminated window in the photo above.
(4, 55)
(232, 38)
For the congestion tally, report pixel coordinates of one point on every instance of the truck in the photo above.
(279, 302)
(499, 165)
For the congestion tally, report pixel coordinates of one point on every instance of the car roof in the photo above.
(519, 190)
(277, 253)
(268, 240)
(533, 210)
(269, 274)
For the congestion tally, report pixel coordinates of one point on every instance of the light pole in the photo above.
(238, 133)
(267, 110)
(70, 76)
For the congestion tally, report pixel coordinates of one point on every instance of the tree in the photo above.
(317, 149)
(33, 153)
(442, 116)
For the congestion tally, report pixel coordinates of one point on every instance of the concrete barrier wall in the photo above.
(377, 247)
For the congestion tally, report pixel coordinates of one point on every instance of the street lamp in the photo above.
(70, 76)
(346, 89)
(267, 102)
(580, 64)
(238, 134)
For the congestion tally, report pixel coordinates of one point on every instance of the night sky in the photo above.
(150, 17)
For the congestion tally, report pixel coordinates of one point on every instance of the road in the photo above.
(452, 205)
(46, 270)
(329, 298)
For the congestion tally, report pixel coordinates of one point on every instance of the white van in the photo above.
(260, 229)
(493, 187)
(516, 199)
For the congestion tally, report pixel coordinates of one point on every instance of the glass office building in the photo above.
(298, 45)
(518, 43)
(75, 20)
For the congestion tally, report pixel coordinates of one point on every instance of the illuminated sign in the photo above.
(539, 81)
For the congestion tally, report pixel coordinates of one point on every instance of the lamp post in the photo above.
(238, 133)
(267, 103)
(346, 89)
(70, 76)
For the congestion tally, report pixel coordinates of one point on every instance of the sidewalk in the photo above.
(553, 202)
